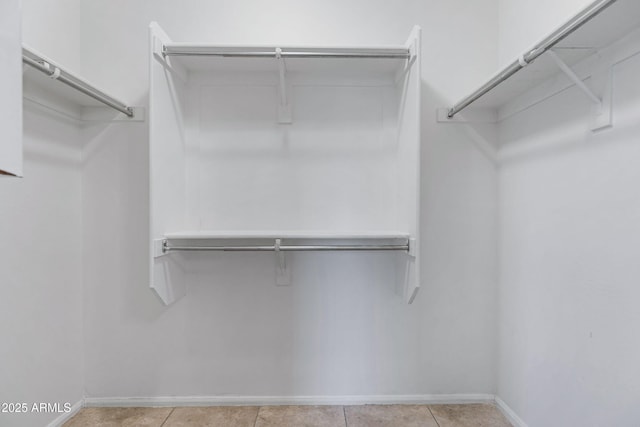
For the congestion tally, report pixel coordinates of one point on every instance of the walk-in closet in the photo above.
(331, 214)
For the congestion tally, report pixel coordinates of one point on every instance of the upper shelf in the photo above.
(370, 61)
(45, 79)
(599, 25)
(296, 234)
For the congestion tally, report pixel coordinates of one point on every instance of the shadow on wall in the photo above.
(459, 237)
(560, 126)
(51, 140)
(116, 217)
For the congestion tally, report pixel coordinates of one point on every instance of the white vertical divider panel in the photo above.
(167, 150)
(10, 88)
(409, 167)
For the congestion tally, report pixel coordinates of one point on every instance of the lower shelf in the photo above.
(280, 243)
(286, 241)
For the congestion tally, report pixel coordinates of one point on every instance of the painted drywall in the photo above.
(569, 235)
(40, 271)
(339, 329)
(523, 23)
(52, 28)
(41, 316)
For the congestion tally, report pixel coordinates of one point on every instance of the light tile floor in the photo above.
(469, 415)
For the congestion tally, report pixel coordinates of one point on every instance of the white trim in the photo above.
(509, 413)
(285, 400)
(67, 415)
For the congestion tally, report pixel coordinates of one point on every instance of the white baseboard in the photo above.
(509, 413)
(286, 400)
(67, 415)
(423, 399)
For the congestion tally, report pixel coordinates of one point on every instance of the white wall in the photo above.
(338, 330)
(523, 23)
(41, 318)
(40, 271)
(568, 211)
(52, 28)
(569, 239)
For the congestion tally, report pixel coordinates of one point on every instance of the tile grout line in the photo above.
(433, 416)
(165, 420)
(255, 422)
(344, 412)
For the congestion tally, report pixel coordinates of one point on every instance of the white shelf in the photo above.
(285, 241)
(243, 234)
(281, 241)
(610, 25)
(354, 62)
(47, 91)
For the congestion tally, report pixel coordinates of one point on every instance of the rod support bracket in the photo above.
(523, 62)
(602, 113)
(160, 247)
(412, 50)
(450, 113)
(54, 72)
(283, 271)
(284, 104)
(413, 247)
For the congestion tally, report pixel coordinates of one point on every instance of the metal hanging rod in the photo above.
(271, 248)
(228, 52)
(556, 37)
(55, 72)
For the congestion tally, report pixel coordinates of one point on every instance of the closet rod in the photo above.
(57, 73)
(399, 53)
(271, 248)
(556, 37)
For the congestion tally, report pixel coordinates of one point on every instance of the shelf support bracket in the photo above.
(602, 117)
(284, 105)
(159, 247)
(283, 272)
(574, 78)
